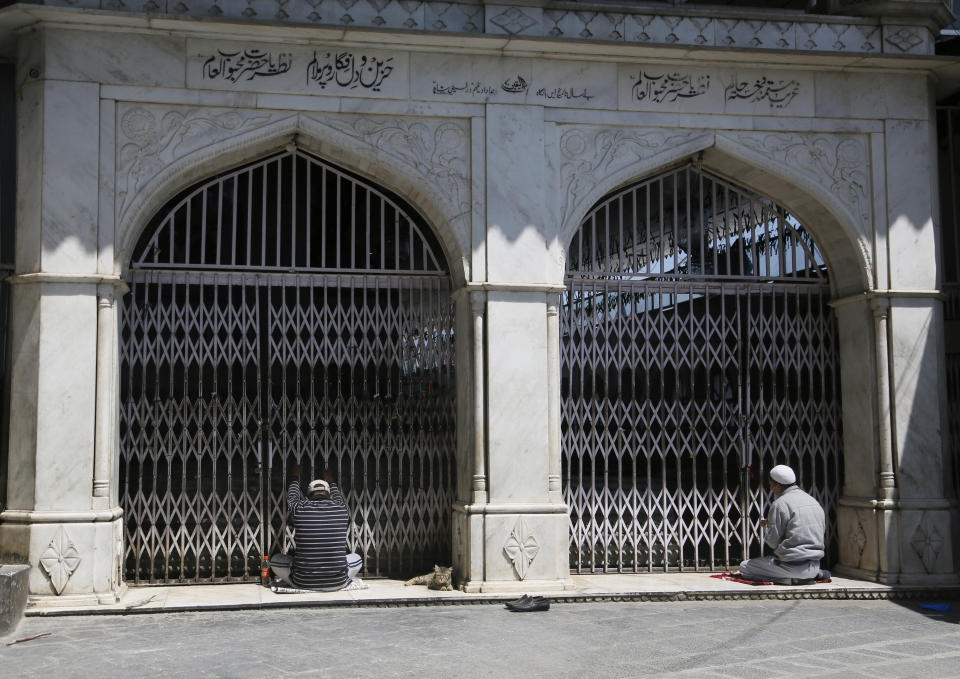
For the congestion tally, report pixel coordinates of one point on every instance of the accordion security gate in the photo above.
(698, 351)
(233, 374)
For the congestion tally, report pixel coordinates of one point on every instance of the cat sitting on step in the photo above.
(441, 578)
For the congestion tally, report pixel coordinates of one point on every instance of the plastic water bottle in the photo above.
(265, 571)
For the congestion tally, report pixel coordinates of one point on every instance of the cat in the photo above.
(441, 578)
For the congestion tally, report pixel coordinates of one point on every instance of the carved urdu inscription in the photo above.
(300, 69)
(371, 72)
(513, 81)
(698, 90)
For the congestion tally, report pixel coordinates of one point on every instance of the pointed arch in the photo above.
(697, 342)
(289, 212)
(822, 179)
(366, 152)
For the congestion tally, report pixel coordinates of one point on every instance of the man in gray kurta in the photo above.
(794, 530)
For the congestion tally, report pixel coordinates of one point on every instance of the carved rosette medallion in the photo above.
(60, 559)
(521, 548)
(927, 543)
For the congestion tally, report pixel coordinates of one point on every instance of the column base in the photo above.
(75, 557)
(512, 547)
(35, 601)
(897, 542)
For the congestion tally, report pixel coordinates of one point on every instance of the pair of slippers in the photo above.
(527, 603)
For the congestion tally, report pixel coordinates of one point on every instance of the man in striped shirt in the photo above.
(320, 523)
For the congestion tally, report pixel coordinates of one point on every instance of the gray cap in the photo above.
(783, 475)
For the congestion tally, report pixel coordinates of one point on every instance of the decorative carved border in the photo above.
(761, 30)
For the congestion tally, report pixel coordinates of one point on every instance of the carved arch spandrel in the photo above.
(410, 160)
(822, 178)
(595, 160)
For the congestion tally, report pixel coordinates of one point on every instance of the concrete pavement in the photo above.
(717, 639)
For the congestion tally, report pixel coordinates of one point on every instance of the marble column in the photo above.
(468, 510)
(61, 515)
(923, 531)
(55, 520)
(524, 526)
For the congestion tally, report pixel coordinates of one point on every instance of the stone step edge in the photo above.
(865, 594)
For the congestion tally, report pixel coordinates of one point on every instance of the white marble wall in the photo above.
(502, 154)
(517, 399)
(911, 203)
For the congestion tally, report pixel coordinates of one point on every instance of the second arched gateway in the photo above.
(698, 351)
(284, 312)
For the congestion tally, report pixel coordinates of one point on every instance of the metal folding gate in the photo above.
(948, 138)
(233, 369)
(698, 350)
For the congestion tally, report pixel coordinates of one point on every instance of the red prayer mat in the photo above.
(735, 577)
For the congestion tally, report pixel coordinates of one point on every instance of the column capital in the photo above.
(101, 280)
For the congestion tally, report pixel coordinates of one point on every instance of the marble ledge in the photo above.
(180, 96)
(311, 103)
(287, 102)
(511, 508)
(29, 517)
(889, 294)
(49, 278)
(906, 504)
(725, 121)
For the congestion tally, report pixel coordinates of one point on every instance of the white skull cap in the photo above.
(783, 475)
(318, 484)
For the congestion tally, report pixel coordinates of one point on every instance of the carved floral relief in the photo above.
(837, 162)
(436, 150)
(927, 543)
(521, 548)
(857, 540)
(59, 560)
(591, 155)
(151, 139)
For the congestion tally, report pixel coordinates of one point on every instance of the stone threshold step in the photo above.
(899, 593)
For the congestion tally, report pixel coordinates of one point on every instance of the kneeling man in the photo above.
(794, 530)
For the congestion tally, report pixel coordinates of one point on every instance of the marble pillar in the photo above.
(62, 516)
(57, 520)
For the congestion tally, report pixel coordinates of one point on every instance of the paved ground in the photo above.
(808, 639)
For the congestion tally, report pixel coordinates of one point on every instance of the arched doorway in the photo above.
(286, 311)
(697, 350)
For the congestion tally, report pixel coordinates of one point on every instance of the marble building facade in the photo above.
(502, 125)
